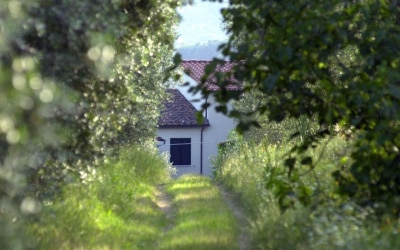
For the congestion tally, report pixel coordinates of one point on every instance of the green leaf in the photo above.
(304, 194)
(200, 117)
(177, 59)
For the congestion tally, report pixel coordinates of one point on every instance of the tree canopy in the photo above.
(333, 61)
(78, 79)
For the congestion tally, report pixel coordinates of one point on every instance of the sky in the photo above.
(201, 22)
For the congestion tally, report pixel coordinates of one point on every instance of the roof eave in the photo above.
(184, 126)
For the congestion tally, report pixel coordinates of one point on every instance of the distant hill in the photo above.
(199, 51)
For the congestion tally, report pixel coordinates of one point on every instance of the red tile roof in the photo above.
(196, 68)
(179, 112)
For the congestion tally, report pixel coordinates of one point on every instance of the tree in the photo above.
(337, 61)
(78, 79)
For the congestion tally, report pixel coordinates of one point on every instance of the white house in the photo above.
(191, 145)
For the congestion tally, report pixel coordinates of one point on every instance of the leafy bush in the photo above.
(334, 61)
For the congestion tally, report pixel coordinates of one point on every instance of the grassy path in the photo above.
(191, 212)
(198, 215)
(232, 201)
(164, 203)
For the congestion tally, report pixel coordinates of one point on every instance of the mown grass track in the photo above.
(202, 219)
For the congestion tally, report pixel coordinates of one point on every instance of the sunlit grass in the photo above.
(202, 219)
(116, 210)
(86, 223)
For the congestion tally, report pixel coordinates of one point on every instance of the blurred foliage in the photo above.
(335, 62)
(78, 80)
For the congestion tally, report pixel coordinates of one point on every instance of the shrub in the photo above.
(257, 172)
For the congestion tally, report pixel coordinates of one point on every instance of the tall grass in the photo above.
(114, 209)
(255, 171)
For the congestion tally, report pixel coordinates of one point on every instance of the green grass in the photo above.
(116, 208)
(202, 219)
(83, 222)
(113, 209)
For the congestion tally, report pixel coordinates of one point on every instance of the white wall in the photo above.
(190, 96)
(194, 134)
(220, 125)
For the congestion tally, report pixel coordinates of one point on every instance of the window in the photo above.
(180, 151)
